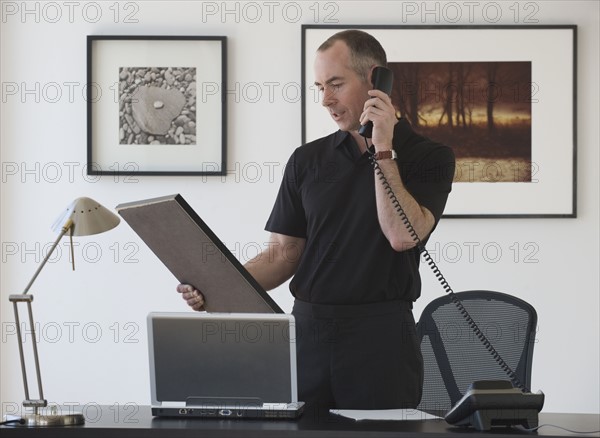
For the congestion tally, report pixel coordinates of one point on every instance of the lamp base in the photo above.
(53, 420)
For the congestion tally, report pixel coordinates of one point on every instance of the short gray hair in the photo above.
(365, 50)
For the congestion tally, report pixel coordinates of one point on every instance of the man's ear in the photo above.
(370, 75)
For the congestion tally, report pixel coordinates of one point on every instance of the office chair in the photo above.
(453, 355)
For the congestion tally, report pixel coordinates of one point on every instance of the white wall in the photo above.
(92, 321)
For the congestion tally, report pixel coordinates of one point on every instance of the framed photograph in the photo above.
(503, 97)
(156, 106)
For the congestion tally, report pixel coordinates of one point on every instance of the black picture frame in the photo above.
(548, 188)
(156, 105)
(201, 259)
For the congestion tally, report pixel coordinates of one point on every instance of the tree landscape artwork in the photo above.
(481, 109)
(504, 98)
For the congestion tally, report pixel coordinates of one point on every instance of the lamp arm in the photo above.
(66, 227)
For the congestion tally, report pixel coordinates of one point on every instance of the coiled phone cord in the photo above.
(438, 274)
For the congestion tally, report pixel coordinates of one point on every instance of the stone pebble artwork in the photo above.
(157, 105)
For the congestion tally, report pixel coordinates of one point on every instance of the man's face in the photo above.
(343, 92)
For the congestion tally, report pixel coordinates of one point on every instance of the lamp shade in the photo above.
(88, 217)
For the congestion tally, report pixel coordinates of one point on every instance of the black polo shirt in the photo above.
(328, 197)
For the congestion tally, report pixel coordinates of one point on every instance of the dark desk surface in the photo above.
(131, 421)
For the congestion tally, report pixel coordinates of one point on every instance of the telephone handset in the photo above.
(466, 411)
(382, 79)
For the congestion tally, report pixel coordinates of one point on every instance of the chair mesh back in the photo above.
(453, 355)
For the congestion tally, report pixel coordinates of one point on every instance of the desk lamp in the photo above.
(83, 217)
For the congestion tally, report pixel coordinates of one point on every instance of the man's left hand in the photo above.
(381, 112)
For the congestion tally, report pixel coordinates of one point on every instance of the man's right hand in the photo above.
(192, 296)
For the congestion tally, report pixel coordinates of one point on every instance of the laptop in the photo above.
(215, 365)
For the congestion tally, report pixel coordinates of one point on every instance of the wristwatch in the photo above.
(386, 155)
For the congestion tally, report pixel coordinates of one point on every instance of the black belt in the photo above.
(350, 310)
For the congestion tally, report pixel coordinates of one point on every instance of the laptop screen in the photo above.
(203, 355)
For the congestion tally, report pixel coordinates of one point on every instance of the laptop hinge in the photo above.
(215, 402)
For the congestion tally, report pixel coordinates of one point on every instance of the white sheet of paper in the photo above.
(385, 414)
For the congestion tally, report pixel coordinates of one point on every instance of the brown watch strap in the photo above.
(384, 155)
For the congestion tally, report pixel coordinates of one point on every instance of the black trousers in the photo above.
(358, 356)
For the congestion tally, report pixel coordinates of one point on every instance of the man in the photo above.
(335, 229)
